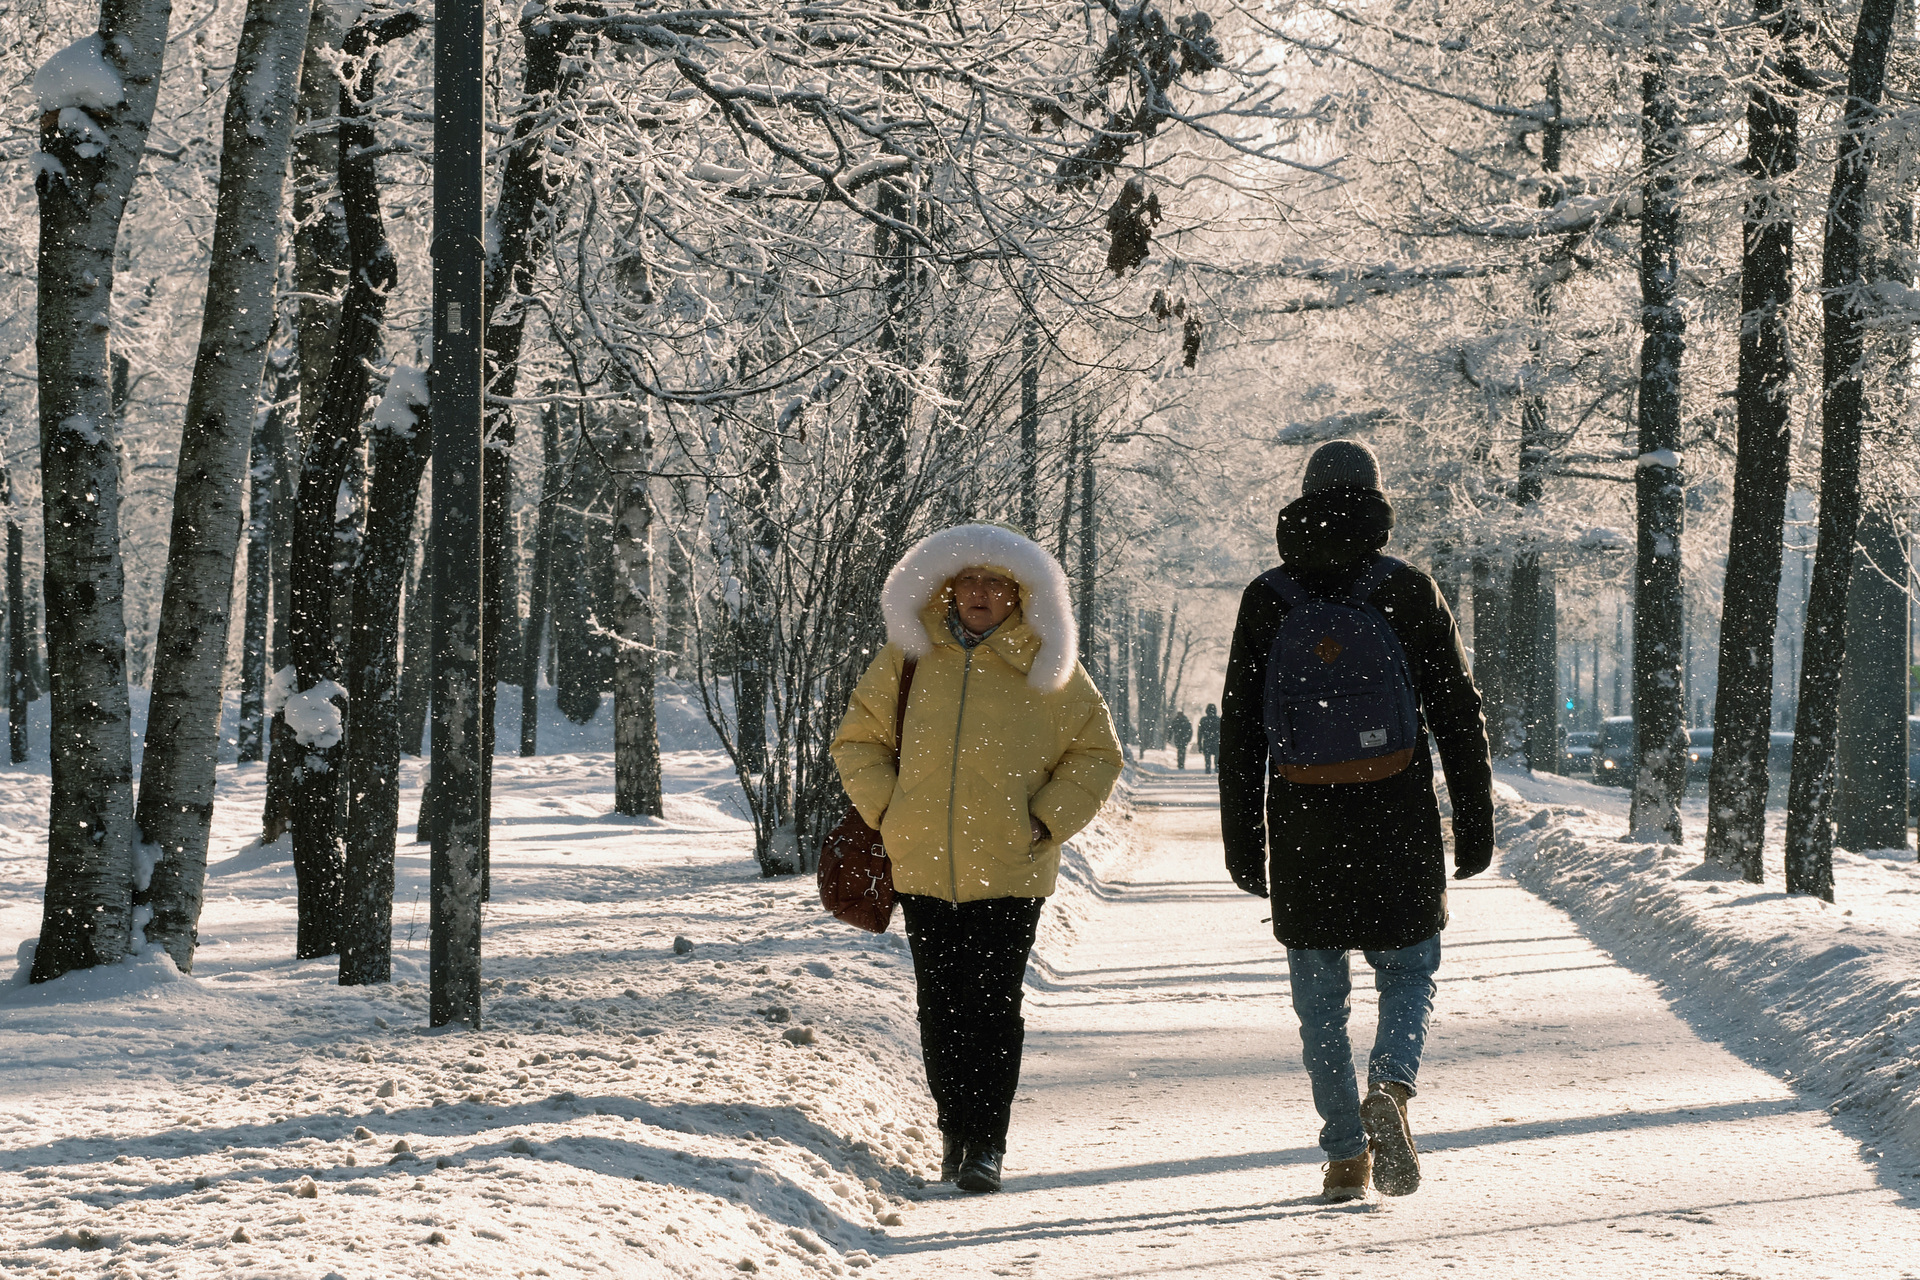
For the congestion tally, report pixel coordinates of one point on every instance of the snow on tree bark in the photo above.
(1843, 280)
(1660, 734)
(97, 99)
(270, 424)
(319, 268)
(1743, 698)
(636, 740)
(322, 566)
(402, 431)
(533, 640)
(175, 812)
(19, 642)
(1870, 765)
(416, 675)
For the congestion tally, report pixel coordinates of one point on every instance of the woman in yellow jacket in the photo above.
(1007, 750)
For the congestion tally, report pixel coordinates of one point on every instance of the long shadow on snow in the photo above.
(439, 1129)
(1294, 1207)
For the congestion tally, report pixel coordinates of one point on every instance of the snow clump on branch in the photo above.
(314, 718)
(406, 392)
(79, 76)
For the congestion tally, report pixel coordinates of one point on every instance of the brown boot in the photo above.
(1346, 1179)
(1396, 1164)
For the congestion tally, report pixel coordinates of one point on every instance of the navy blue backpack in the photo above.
(1340, 701)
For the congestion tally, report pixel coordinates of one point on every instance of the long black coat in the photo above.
(1353, 865)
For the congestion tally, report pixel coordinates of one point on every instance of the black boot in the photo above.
(980, 1171)
(953, 1153)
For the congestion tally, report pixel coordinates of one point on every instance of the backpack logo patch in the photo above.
(1328, 649)
(1373, 737)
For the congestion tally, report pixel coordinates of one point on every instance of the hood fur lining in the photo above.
(934, 561)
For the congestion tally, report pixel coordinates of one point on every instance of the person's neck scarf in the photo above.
(965, 638)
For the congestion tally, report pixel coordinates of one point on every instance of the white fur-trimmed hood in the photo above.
(934, 561)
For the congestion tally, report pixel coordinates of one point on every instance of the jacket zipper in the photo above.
(953, 778)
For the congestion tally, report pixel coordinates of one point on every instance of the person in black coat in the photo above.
(1209, 742)
(1359, 865)
(1181, 732)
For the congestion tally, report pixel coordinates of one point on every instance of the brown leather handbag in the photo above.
(856, 879)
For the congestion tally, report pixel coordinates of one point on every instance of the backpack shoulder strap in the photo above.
(900, 709)
(1375, 577)
(1281, 583)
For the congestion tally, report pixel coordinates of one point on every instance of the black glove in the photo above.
(1250, 879)
(1468, 863)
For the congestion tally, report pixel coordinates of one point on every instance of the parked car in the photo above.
(1699, 755)
(1613, 752)
(1576, 759)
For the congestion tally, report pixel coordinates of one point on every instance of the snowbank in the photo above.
(686, 1070)
(1824, 994)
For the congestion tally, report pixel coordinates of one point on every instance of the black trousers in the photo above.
(969, 964)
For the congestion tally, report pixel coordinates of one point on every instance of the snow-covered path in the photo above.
(1569, 1117)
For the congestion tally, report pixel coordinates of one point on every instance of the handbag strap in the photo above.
(900, 709)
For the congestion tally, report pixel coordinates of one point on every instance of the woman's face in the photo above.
(984, 598)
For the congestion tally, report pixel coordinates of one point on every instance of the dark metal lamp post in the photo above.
(456, 383)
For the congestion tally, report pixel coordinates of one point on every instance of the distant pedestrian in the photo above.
(1342, 661)
(1210, 736)
(1181, 731)
(1006, 751)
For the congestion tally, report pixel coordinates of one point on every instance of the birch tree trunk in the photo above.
(1490, 650)
(1750, 603)
(534, 641)
(1843, 278)
(271, 424)
(175, 812)
(636, 740)
(19, 642)
(319, 273)
(1089, 567)
(321, 574)
(402, 444)
(416, 675)
(83, 184)
(1660, 734)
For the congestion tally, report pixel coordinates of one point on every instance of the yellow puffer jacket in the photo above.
(983, 750)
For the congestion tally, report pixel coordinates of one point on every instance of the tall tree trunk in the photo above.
(402, 443)
(269, 425)
(1750, 597)
(1533, 644)
(20, 641)
(756, 543)
(1843, 278)
(1490, 634)
(1089, 566)
(416, 674)
(1660, 733)
(534, 640)
(679, 577)
(175, 812)
(1030, 426)
(320, 264)
(1148, 680)
(1064, 535)
(1870, 803)
(322, 567)
(636, 740)
(83, 185)
(576, 678)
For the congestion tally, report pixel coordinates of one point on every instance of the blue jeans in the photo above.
(1321, 987)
